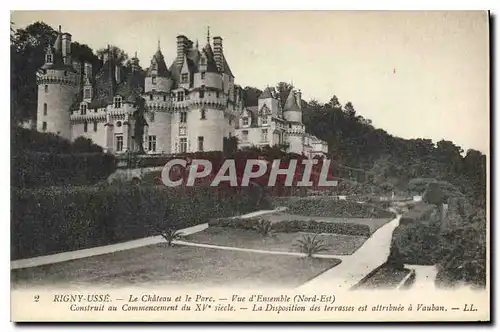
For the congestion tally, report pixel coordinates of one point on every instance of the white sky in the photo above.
(414, 74)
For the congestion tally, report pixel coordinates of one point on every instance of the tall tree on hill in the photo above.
(283, 90)
(117, 53)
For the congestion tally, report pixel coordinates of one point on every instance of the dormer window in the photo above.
(164, 98)
(203, 75)
(150, 97)
(86, 93)
(180, 96)
(202, 94)
(264, 120)
(49, 58)
(245, 121)
(83, 108)
(153, 80)
(185, 78)
(117, 101)
(203, 61)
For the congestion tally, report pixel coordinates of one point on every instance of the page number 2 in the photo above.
(36, 298)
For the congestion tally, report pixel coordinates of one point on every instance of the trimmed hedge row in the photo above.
(41, 169)
(326, 207)
(51, 220)
(291, 226)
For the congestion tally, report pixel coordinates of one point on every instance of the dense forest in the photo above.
(384, 161)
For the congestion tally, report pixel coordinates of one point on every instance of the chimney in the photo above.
(66, 48)
(118, 74)
(218, 53)
(181, 50)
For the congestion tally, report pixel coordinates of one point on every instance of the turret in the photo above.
(158, 77)
(57, 83)
(266, 99)
(292, 111)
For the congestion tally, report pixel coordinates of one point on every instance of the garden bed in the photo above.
(384, 277)
(250, 239)
(179, 265)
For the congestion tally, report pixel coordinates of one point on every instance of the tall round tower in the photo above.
(57, 82)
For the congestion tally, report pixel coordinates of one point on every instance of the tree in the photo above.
(283, 90)
(334, 102)
(114, 52)
(349, 110)
(139, 124)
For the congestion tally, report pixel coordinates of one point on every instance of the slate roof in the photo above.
(57, 57)
(161, 66)
(266, 94)
(291, 103)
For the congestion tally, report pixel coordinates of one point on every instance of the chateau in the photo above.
(189, 106)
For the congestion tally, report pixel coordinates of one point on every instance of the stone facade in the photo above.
(189, 106)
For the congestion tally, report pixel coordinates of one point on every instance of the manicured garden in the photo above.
(178, 265)
(336, 244)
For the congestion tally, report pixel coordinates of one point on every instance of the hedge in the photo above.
(51, 220)
(326, 207)
(291, 226)
(415, 243)
(40, 169)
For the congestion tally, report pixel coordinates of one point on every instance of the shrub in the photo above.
(416, 243)
(170, 235)
(311, 245)
(51, 220)
(264, 227)
(326, 207)
(419, 212)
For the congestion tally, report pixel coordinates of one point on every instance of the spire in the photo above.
(197, 43)
(208, 34)
(158, 43)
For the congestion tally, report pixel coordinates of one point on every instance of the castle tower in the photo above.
(57, 83)
(158, 77)
(266, 98)
(292, 111)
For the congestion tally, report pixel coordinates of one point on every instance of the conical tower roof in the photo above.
(291, 103)
(158, 60)
(211, 64)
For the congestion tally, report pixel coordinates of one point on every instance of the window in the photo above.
(95, 126)
(203, 114)
(152, 143)
(289, 125)
(85, 127)
(217, 94)
(152, 117)
(119, 124)
(118, 102)
(183, 117)
(150, 97)
(119, 143)
(230, 121)
(44, 126)
(184, 78)
(86, 93)
(202, 94)
(245, 121)
(263, 135)
(245, 135)
(164, 97)
(180, 96)
(264, 120)
(182, 131)
(203, 61)
(46, 88)
(200, 143)
(203, 75)
(49, 58)
(183, 145)
(44, 108)
(153, 80)
(83, 109)
(65, 73)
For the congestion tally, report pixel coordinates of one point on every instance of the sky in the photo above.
(414, 74)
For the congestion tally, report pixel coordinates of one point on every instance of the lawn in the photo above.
(242, 238)
(373, 223)
(179, 265)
